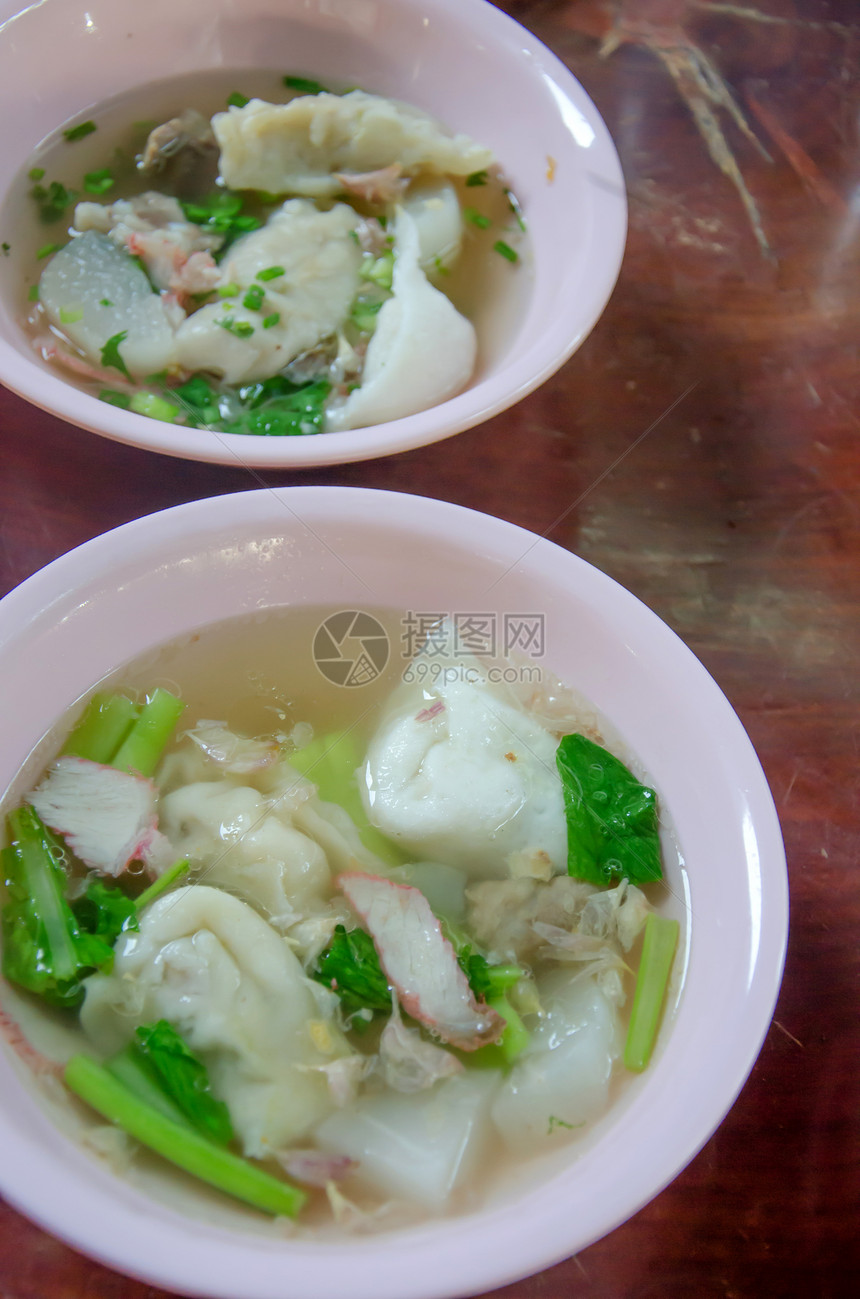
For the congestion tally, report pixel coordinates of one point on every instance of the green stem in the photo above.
(658, 950)
(515, 1037)
(330, 761)
(101, 730)
(129, 1068)
(38, 872)
(228, 1172)
(142, 748)
(163, 883)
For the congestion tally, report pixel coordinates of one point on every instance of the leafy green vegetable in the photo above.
(131, 1067)
(144, 744)
(106, 721)
(185, 1080)
(44, 948)
(506, 251)
(237, 100)
(515, 1037)
(331, 761)
(304, 85)
(612, 830)
(110, 353)
(351, 967)
(658, 951)
(53, 201)
(188, 1150)
(486, 980)
(80, 131)
(104, 910)
(99, 182)
(299, 411)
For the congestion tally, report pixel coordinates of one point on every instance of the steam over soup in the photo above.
(338, 953)
(295, 262)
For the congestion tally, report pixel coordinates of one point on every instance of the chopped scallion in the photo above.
(505, 250)
(35, 173)
(270, 273)
(237, 99)
(70, 315)
(105, 302)
(46, 250)
(241, 328)
(476, 178)
(98, 182)
(80, 131)
(110, 353)
(33, 295)
(304, 85)
(114, 398)
(476, 218)
(253, 299)
(227, 290)
(273, 319)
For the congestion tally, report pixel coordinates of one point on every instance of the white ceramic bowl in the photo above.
(170, 573)
(463, 60)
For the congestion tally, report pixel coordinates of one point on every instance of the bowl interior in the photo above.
(462, 60)
(171, 573)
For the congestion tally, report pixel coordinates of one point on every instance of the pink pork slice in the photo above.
(420, 962)
(106, 816)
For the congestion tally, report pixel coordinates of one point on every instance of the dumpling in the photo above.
(311, 299)
(457, 775)
(230, 985)
(246, 847)
(92, 291)
(562, 1079)
(422, 350)
(298, 148)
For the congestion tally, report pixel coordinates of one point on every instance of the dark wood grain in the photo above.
(737, 518)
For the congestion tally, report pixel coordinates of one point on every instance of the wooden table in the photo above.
(733, 338)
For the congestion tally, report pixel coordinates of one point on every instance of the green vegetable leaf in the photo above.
(111, 356)
(185, 1080)
(105, 910)
(612, 830)
(296, 412)
(98, 182)
(44, 949)
(350, 966)
(80, 131)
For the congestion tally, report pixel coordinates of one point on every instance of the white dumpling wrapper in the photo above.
(313, 297)
(562, 1079)
(472, 783)
(435, 209)
(419, 1147)
(247, 847)
(212, 967)
(90, 271)
(297, 148)
(422, 350)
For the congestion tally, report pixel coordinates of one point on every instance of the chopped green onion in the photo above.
(378, 270)
(46, 250)
(505, 250)
(70, 315)
(227, 290)
(153, 406)
(440, 267)
(513, 204)
(241, 328)
(477, 218)
(114, 398)
(35, 173)
(80, 131)
(270, 273)
(7, 248)
(363, 314)
(476, 178)
(98, 182)
(304, 85)
(105, 302)
(253, 299)
(110, 353)
(658, 951)
(273, 319)
(33, 295)
(237, 99)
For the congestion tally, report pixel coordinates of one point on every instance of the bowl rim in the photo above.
(536, 361)
(437, 1268)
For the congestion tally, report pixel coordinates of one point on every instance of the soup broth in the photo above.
(274, 676)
